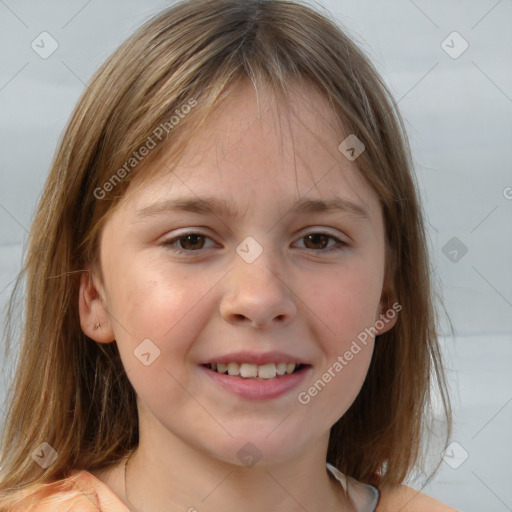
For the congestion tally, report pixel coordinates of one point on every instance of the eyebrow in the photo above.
(217, 206)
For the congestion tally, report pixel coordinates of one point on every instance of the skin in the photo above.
(296, 297)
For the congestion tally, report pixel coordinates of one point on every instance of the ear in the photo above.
(387, 312)
(386, 316)
(92, 308)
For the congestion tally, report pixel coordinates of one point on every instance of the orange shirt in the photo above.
(98, 497)
(95, 496)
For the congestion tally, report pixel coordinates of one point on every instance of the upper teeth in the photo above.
(247, 370)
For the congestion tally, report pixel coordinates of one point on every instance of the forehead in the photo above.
(260, 146)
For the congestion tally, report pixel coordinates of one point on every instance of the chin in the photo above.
(260, 449)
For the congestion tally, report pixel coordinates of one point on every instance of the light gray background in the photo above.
(458, 116)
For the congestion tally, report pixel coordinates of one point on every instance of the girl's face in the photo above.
(284, 276)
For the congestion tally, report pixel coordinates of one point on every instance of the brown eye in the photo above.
(186, 242)
(320, 242)
(191, 242)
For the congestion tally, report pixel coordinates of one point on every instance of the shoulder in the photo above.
(68, 494)
(407, 499)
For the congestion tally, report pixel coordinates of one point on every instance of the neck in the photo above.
(215, 485)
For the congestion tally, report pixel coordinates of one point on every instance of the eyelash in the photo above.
(168, 244)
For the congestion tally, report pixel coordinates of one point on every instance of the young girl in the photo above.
(228, 302)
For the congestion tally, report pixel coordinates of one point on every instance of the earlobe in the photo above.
(94, 316)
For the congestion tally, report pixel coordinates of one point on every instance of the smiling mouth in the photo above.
(254, 371)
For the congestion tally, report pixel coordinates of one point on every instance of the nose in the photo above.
(257, 295)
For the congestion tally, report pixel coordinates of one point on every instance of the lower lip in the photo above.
(258, 389)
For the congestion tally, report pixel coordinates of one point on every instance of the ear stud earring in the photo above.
(97, 326)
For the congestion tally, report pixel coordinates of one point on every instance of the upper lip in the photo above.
(255, 358)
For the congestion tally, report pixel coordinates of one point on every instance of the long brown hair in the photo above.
(73, 393)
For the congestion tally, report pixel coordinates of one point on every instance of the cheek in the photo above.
(156, 320)
(149, 300)
(332, 393)
(347, 312)
(346, 301)
(166, 305)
